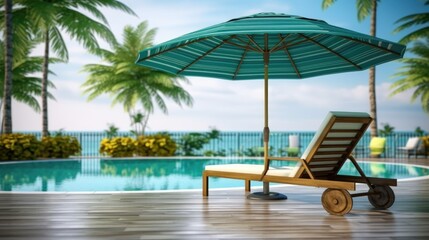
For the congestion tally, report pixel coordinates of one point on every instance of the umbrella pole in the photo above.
(266, 194)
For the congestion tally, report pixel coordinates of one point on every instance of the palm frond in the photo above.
(414, 20)
(327, 3)
(414, 75)
(95, 4)
(84, 29)
(58, 44)
(364, 8)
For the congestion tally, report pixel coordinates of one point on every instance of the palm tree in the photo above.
(26, 86)
(18, 49)
(51, 18)
(415, 74)
(111, 131)
(139, 121)
(364, 9)
(7, 85)
(387, 130)
(130, 84)
(419, 132)
(413, 20)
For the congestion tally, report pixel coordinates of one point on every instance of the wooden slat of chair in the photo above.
(342, 130)
(327, 158)
(333, 145)
(319, 175)
(330, 153)
(339, 139)
(323, 166)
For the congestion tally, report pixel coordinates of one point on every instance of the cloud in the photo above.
(235, 106)
(227, 105)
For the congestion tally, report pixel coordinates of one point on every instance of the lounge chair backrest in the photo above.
(333, 143)
(412, 143)
(421, 148)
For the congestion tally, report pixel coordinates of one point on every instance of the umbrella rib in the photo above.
(333, 52)
(371, 45)
(254, 43)
(288, 44)
(241, 62)
(247, 47)
(291, 44)
(171, 49)
(290, 57)
(202, 56)
(280, 43)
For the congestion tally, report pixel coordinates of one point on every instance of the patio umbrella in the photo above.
(269, 46)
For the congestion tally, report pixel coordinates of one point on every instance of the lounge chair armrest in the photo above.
(266, 166)
(285, 159)
(304, 163)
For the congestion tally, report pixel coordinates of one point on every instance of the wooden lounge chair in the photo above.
(319, 165)
(413, 147)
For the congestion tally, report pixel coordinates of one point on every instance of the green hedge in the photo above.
(118, 147)
(158, 145)
(18, 146)
(59, 147)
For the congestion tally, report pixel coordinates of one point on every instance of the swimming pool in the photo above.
(89, 175)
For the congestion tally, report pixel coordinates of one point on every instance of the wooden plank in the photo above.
(226, 214)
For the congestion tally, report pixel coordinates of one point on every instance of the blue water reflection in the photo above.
(148, 174)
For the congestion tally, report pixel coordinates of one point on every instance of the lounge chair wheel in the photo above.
(337, 201)
(384, 199)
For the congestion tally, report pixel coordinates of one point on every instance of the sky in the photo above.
(294, 105)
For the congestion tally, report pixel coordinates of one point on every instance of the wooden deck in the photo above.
(225, 214)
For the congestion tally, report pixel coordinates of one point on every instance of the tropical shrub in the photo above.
(59, 146)
(425, 141)
(419, 132)
(210, 153)
(387, 130)
(112, 131)
(254, 152)
(192, 142)
(18, 146)
(118, 147)
(158, 145)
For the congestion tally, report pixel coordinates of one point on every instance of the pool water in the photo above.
(88, 175)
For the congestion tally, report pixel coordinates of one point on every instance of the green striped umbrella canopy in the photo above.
(297, 48)
(269, 45)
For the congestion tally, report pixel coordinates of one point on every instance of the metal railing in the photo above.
(239, 143)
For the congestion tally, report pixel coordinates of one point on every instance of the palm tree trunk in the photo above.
(7, 89)
(45, 131)
(372, 97)
(145, 120)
